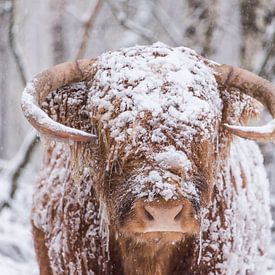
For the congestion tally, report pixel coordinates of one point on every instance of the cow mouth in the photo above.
(156, 237)
(164, 236)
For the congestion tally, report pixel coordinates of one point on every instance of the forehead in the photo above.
(155, 97)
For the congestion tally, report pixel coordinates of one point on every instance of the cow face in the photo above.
(155, 197)
(157, 112)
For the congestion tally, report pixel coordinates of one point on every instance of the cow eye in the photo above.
(179, 215)
(148, 215)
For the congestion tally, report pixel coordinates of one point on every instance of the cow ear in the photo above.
(44, 84)
(69, 106)
(258, 88)
(239, 109)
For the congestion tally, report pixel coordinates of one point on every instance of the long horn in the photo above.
(256, 87)
(45, 82)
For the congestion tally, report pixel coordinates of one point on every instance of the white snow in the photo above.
(16, 246)
(147, 75)
(160, 186)
(171, 158)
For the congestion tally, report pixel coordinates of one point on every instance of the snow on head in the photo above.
(155, 99)
(173, 84)
(173, 159)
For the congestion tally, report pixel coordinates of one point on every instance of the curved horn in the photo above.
(45, 82)
(255, 87)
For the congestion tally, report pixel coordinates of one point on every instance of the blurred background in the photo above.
(36, 34)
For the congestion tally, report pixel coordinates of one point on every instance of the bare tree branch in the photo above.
(171, 30)
(129, 24)
(11, 170)
(87, 26)
(269, 54)
(12, 43)
(14, 167)
(22, 158)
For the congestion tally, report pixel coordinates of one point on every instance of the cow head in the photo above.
(158, 115)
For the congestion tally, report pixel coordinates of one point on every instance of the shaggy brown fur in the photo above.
(92, 219)
(129, 254)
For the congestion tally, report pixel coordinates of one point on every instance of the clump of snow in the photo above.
(172, 158)
(159, 186)
(166, 184)
(165, 189)
(189, 189)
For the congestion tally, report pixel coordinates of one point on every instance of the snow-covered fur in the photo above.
(158, 114)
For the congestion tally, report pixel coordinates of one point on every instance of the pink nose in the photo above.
(159, 218)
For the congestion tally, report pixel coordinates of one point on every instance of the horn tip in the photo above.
(259, 133)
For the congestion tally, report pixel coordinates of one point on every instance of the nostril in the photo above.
(148, 215)
(178, 216)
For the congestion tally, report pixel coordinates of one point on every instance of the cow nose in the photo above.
(159, 218)
(157, 213)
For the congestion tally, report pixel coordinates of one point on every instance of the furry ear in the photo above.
(69, 106)
(238, 108)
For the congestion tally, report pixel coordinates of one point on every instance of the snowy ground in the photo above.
(16, 248)
(16, 252)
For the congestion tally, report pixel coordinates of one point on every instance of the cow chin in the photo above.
(150, 252)
(155, 238)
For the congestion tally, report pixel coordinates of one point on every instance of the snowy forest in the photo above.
(37, 34)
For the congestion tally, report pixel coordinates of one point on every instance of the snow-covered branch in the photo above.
(5, 7)
(13, 168)
(87, 26)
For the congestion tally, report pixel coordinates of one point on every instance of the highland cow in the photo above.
(143, 171)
